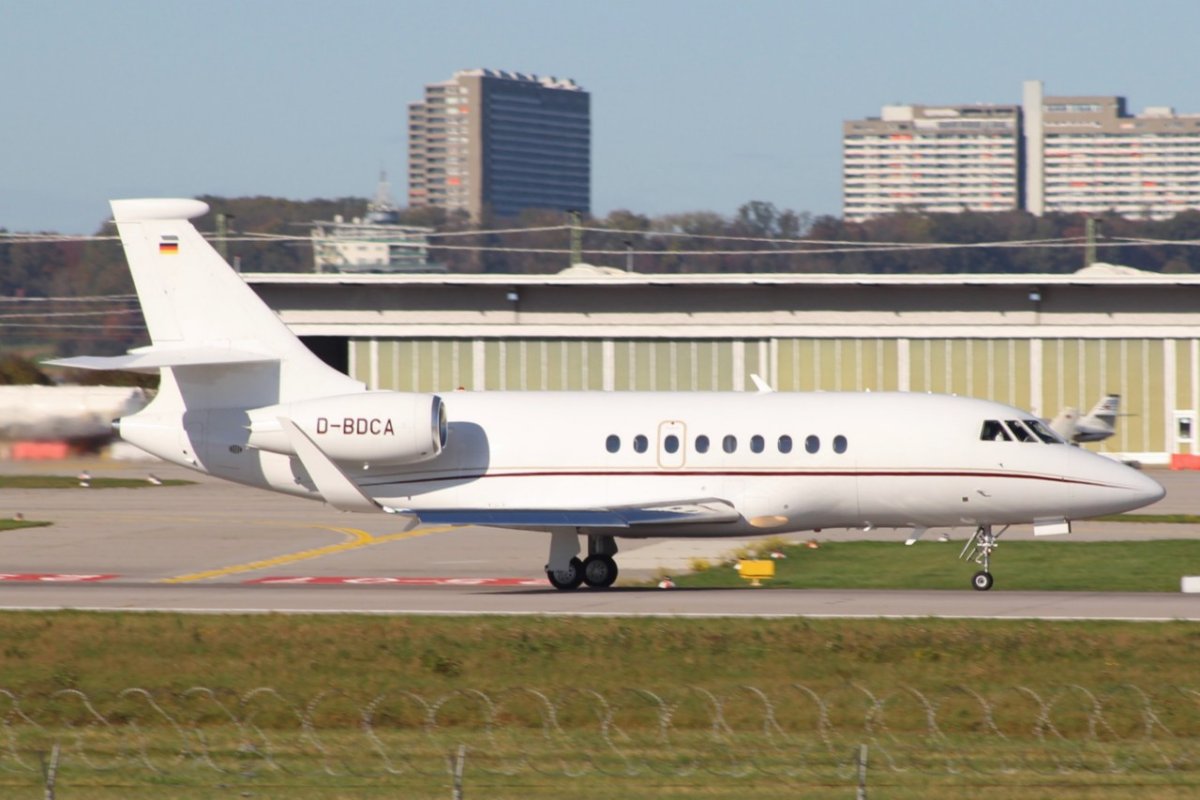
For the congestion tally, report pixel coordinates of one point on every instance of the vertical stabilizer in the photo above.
(222, 344)
(1104, 413)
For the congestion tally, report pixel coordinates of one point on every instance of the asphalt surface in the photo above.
(218, 547)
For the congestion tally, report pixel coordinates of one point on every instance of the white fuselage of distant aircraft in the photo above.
(242, 399)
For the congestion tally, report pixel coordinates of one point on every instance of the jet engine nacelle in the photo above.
(371, 427)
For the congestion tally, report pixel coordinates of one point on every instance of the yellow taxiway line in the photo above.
(358, 539)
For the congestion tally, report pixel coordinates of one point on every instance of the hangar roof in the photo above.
(1096, 275)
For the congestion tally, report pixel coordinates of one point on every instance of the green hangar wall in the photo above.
(1037, 342)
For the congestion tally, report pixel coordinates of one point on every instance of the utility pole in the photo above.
(1091, 232)
(576, 238)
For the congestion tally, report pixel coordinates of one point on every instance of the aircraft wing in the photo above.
(341, 492)
(672, 513)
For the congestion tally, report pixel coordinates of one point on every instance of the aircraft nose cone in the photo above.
(1136, 489)
(1147, 490)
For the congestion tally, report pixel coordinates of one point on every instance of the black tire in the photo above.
(569, 579)
(599, 572)
(982, 581)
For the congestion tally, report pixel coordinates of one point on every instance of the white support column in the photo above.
(1169, 394)
(478, 367)
(373, 373)
(772, 369)
(739, 365)
(1194, 403)
(1035, 378)
(764, 362)
(608, 354)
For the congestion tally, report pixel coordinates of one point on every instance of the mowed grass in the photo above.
(67, 482)
(387, 699)
(16, 524)
(1054, 565)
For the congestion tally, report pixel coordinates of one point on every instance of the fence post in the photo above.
(862, 773)
(460, 763)
(50, 771)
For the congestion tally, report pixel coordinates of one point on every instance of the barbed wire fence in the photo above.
(793, 734)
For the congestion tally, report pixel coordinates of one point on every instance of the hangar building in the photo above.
(1040, 342)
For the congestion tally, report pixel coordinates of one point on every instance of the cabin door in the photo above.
(672, 444)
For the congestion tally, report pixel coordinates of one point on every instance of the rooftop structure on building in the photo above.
(373, 243)
(1070, 154)
(490, 141)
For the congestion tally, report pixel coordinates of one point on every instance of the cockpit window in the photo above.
(994, 431)
(1020, 431)
(1043, 432)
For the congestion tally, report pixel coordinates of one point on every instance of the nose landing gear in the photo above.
(979, 549)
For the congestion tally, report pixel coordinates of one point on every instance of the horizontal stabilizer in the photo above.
(151, 358)
(682, 513)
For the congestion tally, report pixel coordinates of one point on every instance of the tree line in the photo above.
(759, 237)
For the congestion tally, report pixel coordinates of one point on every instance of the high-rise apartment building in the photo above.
(501, 142)
(1050, 154)
(1096, 158)
(931, 158)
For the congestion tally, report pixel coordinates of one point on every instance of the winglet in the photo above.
(334, 485)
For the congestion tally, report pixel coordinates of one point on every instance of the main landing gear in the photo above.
(979, 549)
(566, 572)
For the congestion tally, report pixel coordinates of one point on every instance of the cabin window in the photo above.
(729, 444)
(812, 444)
(671, 443)
(1045, 434)
(785, 444)
(701, 444)
(757, 443)
(612, 443)
(994, 431)
(640, 443)
(839, 444)
(1020, 431)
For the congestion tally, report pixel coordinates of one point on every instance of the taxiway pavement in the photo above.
(214, 546)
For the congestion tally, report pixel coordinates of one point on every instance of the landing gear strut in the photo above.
(565, 571)
(979, 549)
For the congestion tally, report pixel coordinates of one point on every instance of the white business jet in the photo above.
(243, 399)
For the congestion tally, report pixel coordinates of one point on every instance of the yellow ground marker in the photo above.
(358, 539)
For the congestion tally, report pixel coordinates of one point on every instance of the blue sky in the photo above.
(696, 104)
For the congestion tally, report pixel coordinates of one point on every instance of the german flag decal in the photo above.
(168, 245)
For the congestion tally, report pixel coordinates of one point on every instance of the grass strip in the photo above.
(348, 706)
(1124, 566)
(67, 482)
(17, 524)
(305, 655)
(1177, 519)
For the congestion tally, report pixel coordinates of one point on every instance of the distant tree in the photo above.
(623, 219)
(17, 370)
(112, 377)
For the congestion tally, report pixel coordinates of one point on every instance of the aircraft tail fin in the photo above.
(1105, 412)
(222, 345)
